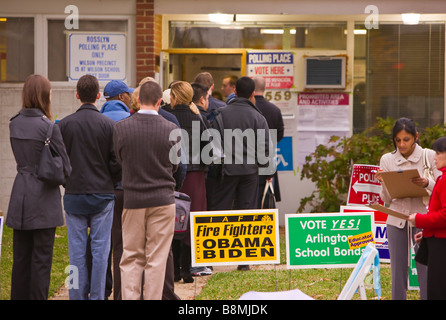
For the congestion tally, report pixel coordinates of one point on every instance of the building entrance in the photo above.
(186, 64)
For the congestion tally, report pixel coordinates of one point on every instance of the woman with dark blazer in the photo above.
(194, 185)
(35, 208)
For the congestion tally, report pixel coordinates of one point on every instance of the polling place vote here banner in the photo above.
(235, 237)
(327, 240)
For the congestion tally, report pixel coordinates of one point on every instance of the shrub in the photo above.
(330, 166)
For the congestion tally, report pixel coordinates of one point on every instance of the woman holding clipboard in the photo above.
(407, 155)
(434, 229)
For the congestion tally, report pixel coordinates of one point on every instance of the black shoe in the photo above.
(188, 279)
(243, 268)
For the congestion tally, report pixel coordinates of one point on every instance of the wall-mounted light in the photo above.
(221, 18)
(360, 31)
(410, 18)
(276, 31)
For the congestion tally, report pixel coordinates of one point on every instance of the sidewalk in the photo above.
(186, 291)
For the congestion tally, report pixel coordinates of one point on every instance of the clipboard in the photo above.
(388, 211)
(399, 184)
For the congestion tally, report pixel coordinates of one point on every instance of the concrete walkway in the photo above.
(186, 291)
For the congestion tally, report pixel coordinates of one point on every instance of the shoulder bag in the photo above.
(422, 254)
(182, 213)
(50, 165)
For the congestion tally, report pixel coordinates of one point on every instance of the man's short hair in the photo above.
(149, 93)
(244, 87)
(87, 88)
(199, 91)
(204, 78)
(232, 80)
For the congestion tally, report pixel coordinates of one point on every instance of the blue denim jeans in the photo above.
(100, 231)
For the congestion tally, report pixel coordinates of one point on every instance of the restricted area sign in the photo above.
(235, 237)
(364, 187)
(326, 240)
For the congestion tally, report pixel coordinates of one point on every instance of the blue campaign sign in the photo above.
(284, 160)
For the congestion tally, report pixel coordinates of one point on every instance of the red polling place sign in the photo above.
(364, 187)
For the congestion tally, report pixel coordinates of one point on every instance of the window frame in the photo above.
(20, 84)
(41, 44)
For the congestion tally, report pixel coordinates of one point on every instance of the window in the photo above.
(57, 42)
(253, 35)
(16, 49)
(399, 72)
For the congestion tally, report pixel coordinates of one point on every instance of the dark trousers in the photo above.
(182, 259)
(116, 236)
(32, 260)
(236, 192)
(436, 266)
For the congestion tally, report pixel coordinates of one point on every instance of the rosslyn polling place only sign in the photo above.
(101, 54)
(321, 240)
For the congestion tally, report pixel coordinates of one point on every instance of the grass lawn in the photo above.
(321, 284)
(60, 262)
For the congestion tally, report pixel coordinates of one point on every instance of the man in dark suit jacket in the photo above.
(273, 117)
(242, 166)
(249, 156)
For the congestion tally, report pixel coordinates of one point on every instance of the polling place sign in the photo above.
(277, 68)
(235, 237)
(321, 240)
(364, 187)
(102, 55)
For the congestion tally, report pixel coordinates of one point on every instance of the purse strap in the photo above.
(49, 133)
(268, 185)
(426, 163)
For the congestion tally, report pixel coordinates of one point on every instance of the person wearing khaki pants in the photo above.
(147, 236)
(142, 145)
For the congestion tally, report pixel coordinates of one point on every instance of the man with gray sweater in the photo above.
(142, 146)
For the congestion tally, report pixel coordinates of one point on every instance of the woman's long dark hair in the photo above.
(404, 124)
(37, 94)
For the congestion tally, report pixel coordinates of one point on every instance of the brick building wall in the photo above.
(148, 39)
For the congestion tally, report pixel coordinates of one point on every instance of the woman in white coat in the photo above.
(407, 155)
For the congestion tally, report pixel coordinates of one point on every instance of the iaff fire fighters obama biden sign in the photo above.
(235, 237)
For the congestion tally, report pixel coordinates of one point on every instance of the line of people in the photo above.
(120, 178)
(118, 164)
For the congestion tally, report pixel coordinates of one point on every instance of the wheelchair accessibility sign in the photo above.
(284, 158)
